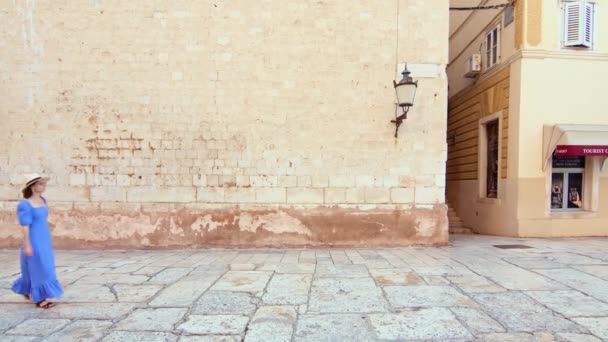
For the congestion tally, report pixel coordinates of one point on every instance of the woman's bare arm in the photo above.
(27, 246)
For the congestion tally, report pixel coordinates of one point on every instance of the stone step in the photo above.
(461, 230)
(450, 228)
(455, 224)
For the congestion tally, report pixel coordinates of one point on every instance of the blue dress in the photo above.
(38, 277)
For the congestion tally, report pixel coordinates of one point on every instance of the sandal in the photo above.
(45, 304)
(27, 297)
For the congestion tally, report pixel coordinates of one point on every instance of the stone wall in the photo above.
(224, 123)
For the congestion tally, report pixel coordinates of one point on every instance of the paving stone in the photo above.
(93, 264)
(17, 338)
(166, 262)
(600, 256)
(553, 290)
(598, 326)
(377, 264)
(477, 321)
(64, 269)
(475, 284)
(515, 278)
(6, 283)
(88, 293)
(244, 281)
(507, 337)
(242, 267)
(469, 279)
(600, 271)
(544, 336)
(68, 278)
(566, 337)
(396, 276)
(333, 327)
(215, 324)
(440, 271)
(88, 311)
(518, 312)
(87, 271)
(272, 324)
(181, 293)
(341, 271)
(38, 327)
(71, 277)
(436, 280)
(80, 331)
(535, 263)
(339, 257)
(570, 303)
(169, 275)
(122, 336)
(208, 276)
(211, 268)
(426, 296)
(136, 293)
(580, 281)
(149, 270)
(162, 319)
(574, 259)
(13, 269)
(128, 268)
(289, 268)
(423, 324)
(112, 279)
(8, 296)
(209, 338)
(331, 295)
(224, 302)
(288, 289)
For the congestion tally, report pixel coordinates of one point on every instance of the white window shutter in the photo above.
(588, 25)
(578, 24)
(573, 35)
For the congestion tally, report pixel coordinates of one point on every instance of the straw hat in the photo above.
(32, 179)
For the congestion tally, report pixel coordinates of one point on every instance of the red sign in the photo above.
(581, 150)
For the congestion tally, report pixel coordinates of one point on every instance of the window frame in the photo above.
(488, 47)
(565, 192)
(590, 188)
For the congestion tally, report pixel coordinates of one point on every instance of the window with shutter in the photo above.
(578, 24)
(492, 47)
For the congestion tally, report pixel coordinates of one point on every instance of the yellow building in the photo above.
(528, 117)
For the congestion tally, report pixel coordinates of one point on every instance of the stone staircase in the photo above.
(455, 223)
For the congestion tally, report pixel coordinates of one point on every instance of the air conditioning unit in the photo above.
(473, 66)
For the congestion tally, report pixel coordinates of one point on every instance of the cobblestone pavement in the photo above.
(557, 290)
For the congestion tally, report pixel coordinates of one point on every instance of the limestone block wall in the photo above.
(224, 123)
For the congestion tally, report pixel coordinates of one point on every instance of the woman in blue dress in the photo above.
(38, 281)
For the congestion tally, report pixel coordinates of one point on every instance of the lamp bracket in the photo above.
(399, 119)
